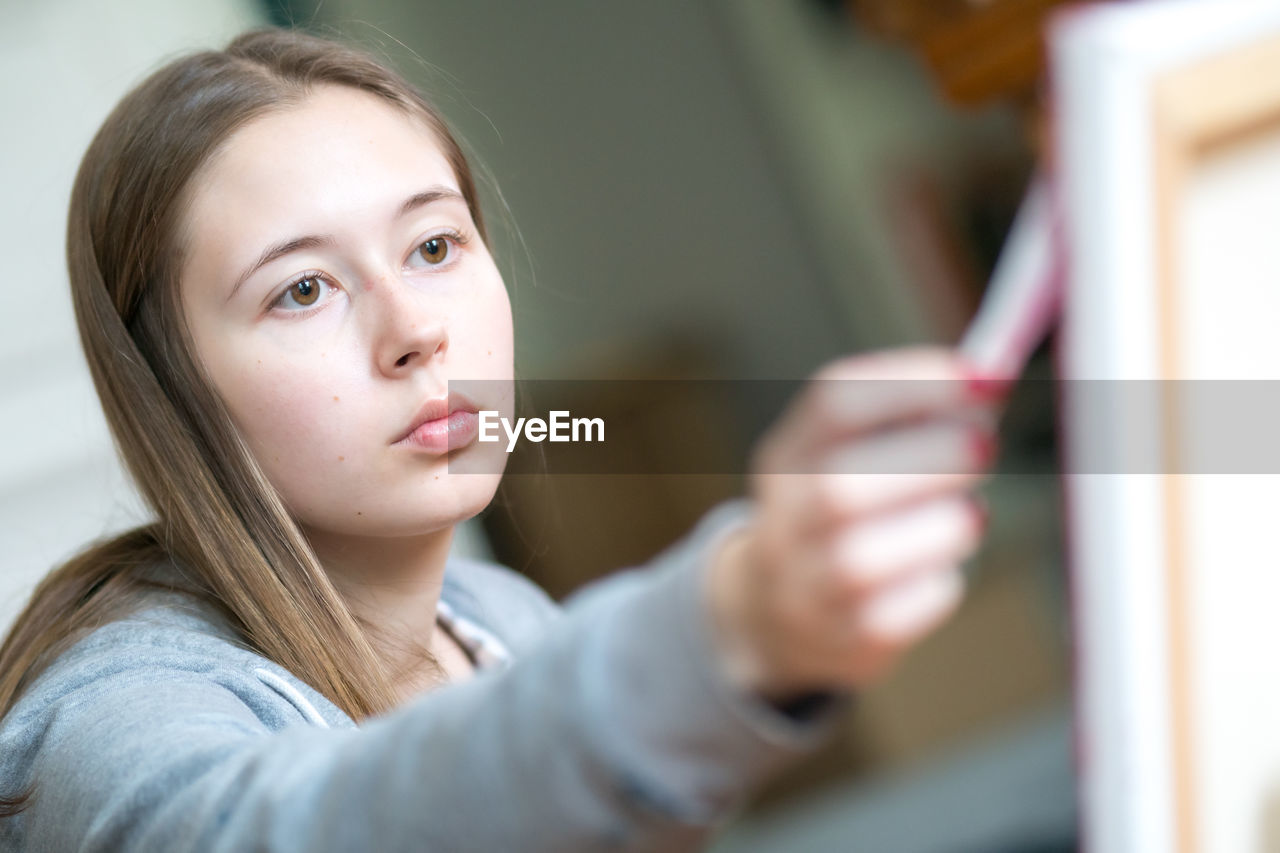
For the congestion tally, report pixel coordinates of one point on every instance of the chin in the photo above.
(427, 510)
(419, 509)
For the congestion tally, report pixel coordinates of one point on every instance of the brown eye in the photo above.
(435, 250)
(306, 291)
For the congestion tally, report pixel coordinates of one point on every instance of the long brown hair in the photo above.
(219, 521)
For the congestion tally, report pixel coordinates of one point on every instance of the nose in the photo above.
(410, 332)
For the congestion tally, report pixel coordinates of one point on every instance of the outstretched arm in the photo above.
(617, 731)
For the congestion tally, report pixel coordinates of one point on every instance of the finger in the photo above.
(867, 393)
(889, 471)
(869, 557)
(901, 615)
(867, 645)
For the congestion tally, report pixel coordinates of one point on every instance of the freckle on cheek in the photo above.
(342, 459)
(490, 353)
(359, 513)
(335, 399)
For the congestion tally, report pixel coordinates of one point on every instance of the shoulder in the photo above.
(499, 599)
(171, 653)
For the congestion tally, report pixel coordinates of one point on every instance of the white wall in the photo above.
(63, 66)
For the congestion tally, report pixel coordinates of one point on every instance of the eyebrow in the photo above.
(296, 244)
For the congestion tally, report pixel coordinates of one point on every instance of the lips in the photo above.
(442, 424)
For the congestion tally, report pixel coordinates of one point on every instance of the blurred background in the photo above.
(723, 189)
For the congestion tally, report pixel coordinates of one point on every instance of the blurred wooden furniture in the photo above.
(567, 514)
(978, 50)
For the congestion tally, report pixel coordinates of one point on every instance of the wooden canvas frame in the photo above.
(1219, 101)
(1145, 93)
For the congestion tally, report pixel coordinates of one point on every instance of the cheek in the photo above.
(293, 417)
(491, 327)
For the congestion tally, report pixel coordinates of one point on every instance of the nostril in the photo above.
(404, 359)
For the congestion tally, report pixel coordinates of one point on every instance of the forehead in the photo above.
(312, 166)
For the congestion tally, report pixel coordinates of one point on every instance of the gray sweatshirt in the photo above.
(612, 729)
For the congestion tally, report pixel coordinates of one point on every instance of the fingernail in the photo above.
(982, 445)
(985, 387)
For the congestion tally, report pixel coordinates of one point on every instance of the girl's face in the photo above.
(334, 283)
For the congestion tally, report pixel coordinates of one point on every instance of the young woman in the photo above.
(278, 264)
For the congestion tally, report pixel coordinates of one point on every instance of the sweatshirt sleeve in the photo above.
(615, 732)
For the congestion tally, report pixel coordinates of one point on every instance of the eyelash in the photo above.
(457, 238)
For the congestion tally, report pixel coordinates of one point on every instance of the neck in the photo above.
(392, 584)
